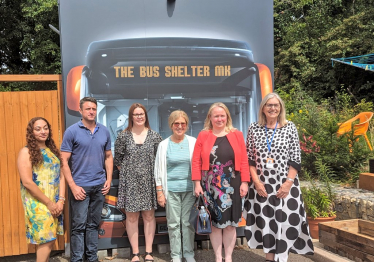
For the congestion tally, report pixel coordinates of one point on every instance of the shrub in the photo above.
(318, 123)
(318, 200)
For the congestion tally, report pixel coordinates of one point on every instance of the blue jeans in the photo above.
(85, 220)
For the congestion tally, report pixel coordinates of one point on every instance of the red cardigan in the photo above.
(203, 146)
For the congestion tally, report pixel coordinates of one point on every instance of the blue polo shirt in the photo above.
(87, 153)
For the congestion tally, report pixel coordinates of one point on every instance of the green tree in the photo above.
(41, 43)
(27, 44)
(12, 31)
(310, 32)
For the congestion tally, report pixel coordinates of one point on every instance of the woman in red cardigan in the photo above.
(220, 171)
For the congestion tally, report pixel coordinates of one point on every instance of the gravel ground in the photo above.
(241, 253)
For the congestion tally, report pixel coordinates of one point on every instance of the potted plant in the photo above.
(319, 199)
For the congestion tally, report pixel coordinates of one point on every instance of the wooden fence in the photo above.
(16, 109)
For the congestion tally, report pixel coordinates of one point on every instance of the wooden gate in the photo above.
(16, 109)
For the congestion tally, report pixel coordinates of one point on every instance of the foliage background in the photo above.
(308, 33)
(27, 44)
(318, 123)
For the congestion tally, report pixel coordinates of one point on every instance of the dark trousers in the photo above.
(85, 219)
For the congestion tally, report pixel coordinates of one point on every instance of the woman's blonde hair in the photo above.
(282, 113)
(177, 114)
(208, 125)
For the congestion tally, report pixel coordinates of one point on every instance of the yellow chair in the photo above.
(359, 129)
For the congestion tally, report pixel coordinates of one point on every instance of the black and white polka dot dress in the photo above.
(276, 225)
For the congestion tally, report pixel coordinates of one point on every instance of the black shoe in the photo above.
(148, 254)
(135, 255)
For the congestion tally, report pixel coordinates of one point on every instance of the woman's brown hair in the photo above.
(131, 112)
(36, 156)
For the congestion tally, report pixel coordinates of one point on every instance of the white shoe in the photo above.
(190, 259)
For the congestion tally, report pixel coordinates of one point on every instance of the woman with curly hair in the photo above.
(39, 168)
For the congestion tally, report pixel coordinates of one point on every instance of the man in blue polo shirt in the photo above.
(87, 144)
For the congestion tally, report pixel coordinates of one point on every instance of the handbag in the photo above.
(194, 212)
(200, 217)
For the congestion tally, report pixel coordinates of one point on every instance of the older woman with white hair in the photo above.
(174, 186)
(276, 220)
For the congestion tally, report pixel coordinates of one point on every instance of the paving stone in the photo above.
(238, 241)
(205, 244)
(121, 252)
(342, 253)
(142, 249)
(102, 254)
(163, 248)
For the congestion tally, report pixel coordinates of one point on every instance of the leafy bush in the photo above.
(318, 123)
(318, 200)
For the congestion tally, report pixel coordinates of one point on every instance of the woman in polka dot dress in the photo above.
(276, 220)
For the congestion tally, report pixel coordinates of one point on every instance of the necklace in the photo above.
(177, 141)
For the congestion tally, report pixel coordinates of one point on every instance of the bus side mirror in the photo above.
(73, 89)
(265, 79)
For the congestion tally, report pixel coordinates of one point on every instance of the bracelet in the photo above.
(292, 180)
(158, 190)
(61, 198)
(159, 195)
(63, 201)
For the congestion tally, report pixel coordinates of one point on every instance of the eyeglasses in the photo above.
(176, 124)
(272, 105)
(138, 115)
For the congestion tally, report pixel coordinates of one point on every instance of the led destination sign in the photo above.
(172, 71)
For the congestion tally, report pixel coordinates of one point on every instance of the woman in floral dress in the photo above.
(39, 168)
(134, 155)
(220, 172)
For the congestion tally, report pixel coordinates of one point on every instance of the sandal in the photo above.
(135, 255)
(148, 254)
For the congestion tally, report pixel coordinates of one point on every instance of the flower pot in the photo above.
(313, 225)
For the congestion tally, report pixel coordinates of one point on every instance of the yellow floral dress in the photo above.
(41, 226)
